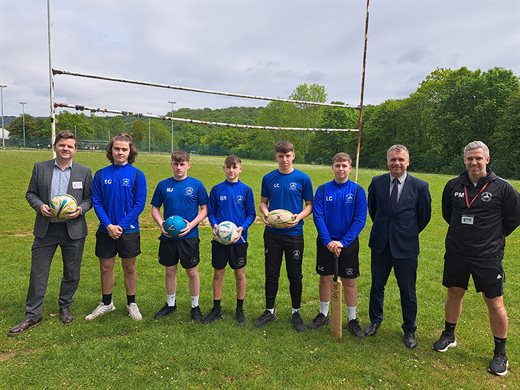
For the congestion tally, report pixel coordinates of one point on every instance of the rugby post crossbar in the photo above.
(199, 90)
(196, 121)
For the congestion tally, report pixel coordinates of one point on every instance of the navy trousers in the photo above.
(405, 271)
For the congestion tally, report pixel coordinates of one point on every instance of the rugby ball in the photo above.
(279, 218)
(173, 225)
(63, 205)
(226, 232)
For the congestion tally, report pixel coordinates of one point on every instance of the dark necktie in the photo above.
(393, 194)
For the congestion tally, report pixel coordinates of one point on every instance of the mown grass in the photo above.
(116, 352)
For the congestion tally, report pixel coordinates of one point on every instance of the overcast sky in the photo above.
(263, 47)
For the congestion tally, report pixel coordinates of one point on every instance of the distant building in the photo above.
(5, 133)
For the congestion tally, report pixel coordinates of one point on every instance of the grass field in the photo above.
(116, 352)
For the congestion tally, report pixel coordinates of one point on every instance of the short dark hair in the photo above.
(284, 147)
(180, 156)
(125, 137)
(65, 134)
(232, 161)
(341, 157)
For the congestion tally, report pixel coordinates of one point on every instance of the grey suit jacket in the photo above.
(39, 191)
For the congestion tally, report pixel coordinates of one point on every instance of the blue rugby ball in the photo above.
(173, 225)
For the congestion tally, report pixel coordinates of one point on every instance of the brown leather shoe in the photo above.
(66, 316)
(23, 326)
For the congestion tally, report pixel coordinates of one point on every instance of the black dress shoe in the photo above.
(23, 326)
(409, 340)
(371, 329)
(66, 315)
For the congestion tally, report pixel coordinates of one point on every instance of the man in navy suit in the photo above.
(50, 178)
(400, 207)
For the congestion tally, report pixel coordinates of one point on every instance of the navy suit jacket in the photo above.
(399, 228)
(39, 193)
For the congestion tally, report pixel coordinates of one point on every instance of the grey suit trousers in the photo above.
(43, 250)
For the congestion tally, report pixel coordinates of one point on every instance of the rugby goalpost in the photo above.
(54, 105)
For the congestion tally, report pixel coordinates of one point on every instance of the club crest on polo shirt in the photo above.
(293, 186)
(188, 191)
(126, 182)
(349, 198)
(486, 196)
(240, 199)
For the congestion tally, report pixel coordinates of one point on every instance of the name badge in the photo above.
(467, 219)
(77, 185)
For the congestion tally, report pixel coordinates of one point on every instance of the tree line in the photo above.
(449, 109)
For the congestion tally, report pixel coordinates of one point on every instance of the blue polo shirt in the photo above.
(181, 198)
(287, 191)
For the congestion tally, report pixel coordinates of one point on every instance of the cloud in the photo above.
(254, 47)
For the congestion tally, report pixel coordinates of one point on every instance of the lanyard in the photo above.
(475, 197)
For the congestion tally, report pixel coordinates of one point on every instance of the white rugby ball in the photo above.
(279, 218)
(226, 232)
(63, 205)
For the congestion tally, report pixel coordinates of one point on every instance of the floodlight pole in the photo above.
(360, 125)
(2, 106)
(23, 121)
(172, 103)
(149, 134)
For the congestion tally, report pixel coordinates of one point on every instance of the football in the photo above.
(226, 232)
(279, 218)
(63, 205)
(173, 225)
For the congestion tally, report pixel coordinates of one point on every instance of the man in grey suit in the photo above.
(51, 178)
(400, 207)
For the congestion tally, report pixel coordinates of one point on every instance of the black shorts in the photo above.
(488, 276)
(348, 260)
(235, 254)
(185, 250)
(127, 246)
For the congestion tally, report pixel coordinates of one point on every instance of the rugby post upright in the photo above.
(51, 78)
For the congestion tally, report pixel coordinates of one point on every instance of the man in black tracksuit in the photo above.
(481, 210)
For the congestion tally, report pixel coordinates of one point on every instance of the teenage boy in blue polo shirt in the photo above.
(186, 197)
(232, 201)
(289, 189)
(340, 214)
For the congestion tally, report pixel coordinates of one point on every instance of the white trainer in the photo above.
(133, 312)
(100, 310)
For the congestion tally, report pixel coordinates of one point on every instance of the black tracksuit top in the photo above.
(495, 214)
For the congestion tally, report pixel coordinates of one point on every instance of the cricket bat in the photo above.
(336, 315)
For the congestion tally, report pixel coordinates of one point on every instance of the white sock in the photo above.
(351, 313)
(194, 301)
(324, 308)
(170, 299)
(270, 310)
(295, 310)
